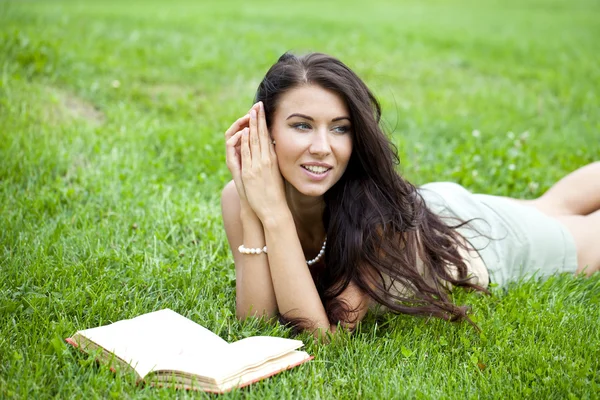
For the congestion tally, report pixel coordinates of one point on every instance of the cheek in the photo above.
(284, 149)
(277, 130)
(286, 155)
(286, 163)
(288, 145)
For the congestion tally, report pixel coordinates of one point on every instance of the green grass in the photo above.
(112, 160)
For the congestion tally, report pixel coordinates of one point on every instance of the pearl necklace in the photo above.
(321, 253)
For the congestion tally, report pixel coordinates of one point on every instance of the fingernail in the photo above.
(261, 106)
(253, 113)
(245, 132)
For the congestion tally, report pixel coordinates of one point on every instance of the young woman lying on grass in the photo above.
(322, 227)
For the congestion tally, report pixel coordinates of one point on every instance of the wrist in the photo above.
(253, 231)
(246, 212)
(277, 218)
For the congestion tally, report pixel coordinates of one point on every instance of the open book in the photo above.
(167, 349)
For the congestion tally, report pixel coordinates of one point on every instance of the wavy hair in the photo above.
(378, 225)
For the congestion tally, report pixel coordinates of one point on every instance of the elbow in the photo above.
(327, 335)
(243, 313)
(347, 328)
(334, 330)
(240, 315)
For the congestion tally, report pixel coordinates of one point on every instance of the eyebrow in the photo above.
(312, 119)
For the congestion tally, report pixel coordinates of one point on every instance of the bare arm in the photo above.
(296, 294)
(254, 288)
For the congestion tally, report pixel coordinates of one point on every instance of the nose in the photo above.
(320, 145)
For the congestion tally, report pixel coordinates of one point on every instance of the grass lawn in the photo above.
(112, 160)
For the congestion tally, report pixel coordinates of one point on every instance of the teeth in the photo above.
(315, 169)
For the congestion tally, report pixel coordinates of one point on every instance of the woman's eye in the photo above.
(301, 126)
(341, 129)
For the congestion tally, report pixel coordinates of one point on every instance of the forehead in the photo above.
(313, 101)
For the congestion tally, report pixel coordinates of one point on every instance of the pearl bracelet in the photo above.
(257, 250)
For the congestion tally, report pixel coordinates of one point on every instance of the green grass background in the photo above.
(112, 160)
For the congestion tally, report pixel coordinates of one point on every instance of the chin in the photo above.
(311, 190)
(314, 192)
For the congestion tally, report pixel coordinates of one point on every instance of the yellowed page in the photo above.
(234, 359)
(255, 374)
(272, 367)
(254, 350)
(161, 335)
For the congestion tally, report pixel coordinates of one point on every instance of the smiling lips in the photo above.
(316, 172)
(317, 169)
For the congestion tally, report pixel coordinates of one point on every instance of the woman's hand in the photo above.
(233, 143)
(262, 180)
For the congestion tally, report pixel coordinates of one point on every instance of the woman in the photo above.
(322, 227)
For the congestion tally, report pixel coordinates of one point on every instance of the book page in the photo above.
(146, 340)
(270, 368)
(188, 381)
(255, 350)
(235, 358)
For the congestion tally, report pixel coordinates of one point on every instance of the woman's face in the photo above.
(313, 134)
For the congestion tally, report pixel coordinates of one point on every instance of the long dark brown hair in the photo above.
(377, 223)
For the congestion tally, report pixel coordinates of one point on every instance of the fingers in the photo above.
(232, 155)
(263, 132)
(237, 126)
(234, 162)
(254, 136)
(248, 140)
(233, 140)
(245, 150)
